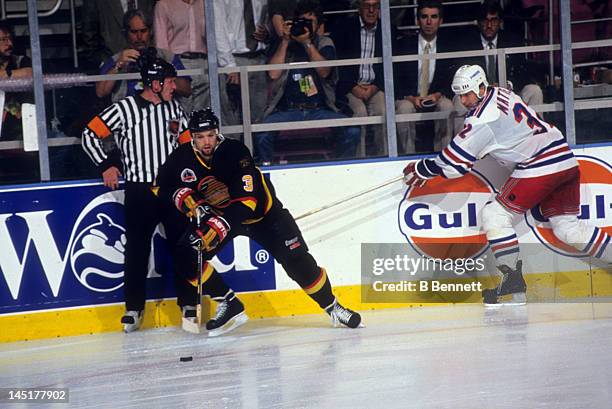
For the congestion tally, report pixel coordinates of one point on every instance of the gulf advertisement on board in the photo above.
(62, 246)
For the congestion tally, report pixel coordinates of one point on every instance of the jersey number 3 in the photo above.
(521, 112)
(248, 183)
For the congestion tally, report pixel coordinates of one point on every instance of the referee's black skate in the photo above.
(511, 290)
(230, 315)
(342, 315)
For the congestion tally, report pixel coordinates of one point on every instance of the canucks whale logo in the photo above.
(97, 244)
(98, 253)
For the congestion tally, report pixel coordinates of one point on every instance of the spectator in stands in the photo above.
(240, 29)
(304, 94)
(425, 84)
(180, 28)
(12, 66)
(362, 86)
(489, 36)
(137, 27)
(102, 31)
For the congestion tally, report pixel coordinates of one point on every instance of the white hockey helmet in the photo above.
(469, 78)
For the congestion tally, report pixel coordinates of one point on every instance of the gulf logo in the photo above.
(595, 205)
(440, 219)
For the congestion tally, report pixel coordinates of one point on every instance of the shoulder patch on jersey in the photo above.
(245, 162)
(188, 175)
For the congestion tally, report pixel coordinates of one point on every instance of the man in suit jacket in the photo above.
(362, 86)
(418, 89)
(103, 34)
(490, 35)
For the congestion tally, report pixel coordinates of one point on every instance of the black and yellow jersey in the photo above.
(251, 195)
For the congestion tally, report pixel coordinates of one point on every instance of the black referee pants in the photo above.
(143, 212)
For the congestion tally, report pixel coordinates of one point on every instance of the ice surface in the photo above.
(535, 356)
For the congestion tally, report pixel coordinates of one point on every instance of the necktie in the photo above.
(491, 68)
(131, 5)
(424, 80)
(249, 25)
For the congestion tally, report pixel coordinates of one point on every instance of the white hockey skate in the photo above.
(189, 321)
(131, 320)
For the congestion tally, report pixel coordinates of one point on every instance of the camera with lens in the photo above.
(299, 26)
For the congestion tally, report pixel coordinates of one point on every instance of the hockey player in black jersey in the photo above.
(215, 180)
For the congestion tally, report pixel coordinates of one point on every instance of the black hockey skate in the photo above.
(342, 315)
(511, 290)
(230, 315)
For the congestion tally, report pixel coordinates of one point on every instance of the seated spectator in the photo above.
(424, 85)
(12, 66)
(137, 29)
(304, 94)
(489, 36)
(362, 86)
(102, 31)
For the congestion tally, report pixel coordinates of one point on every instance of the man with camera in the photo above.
(304, 94)
(137, 28)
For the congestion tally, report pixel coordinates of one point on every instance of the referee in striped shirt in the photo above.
(147, 127)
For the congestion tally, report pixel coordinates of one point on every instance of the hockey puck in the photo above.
(186, 358)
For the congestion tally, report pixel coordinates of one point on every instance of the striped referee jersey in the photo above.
(145, 133)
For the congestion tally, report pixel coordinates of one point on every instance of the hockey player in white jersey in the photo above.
(545, 172)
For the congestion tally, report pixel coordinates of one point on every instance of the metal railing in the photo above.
(50, 12)
(248, 129)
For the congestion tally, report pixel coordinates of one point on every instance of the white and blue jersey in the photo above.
(503, 126)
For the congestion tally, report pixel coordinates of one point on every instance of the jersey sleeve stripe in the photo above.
(457, 168)
(249, 202)
(466, 155)
(453, 158)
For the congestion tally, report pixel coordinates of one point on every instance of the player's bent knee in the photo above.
(495, 217)
(569, 230)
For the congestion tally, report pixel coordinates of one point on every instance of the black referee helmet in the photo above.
(204, 120)
(156, 69)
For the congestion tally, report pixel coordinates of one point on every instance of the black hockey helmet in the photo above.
(156, 69)
(203, 120)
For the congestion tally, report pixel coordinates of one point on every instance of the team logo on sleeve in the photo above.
(440, 219)
(595, 206)
(188, 175)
